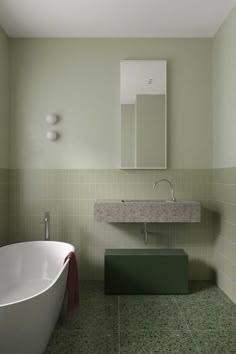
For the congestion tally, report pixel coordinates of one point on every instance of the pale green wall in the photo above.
(150, 130)
(70, 197)
(4, 104)
(4, 98)
(4, 203)
(224, 156)
(79, 79)
(223, 206)
(224, 91)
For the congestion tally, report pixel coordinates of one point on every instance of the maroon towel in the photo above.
(72, 284)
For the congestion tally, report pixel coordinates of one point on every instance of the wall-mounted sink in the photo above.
(147, 211)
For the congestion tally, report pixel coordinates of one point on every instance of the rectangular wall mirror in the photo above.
(143, 114)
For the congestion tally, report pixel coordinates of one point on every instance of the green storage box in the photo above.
(146, 271)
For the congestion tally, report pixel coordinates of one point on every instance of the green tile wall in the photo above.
(223, 205)
(3, 206)
(69, 195)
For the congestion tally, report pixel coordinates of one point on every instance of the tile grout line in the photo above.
(118, 303)
(182, 315)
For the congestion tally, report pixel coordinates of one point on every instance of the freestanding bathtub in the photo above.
(33, 280)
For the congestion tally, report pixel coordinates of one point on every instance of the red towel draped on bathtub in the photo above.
(72, 284)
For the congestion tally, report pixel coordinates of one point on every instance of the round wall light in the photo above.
(52, 135)
(51, 119)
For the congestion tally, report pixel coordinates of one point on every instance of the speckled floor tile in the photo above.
(209, 314)
(171, 342)
(179, 342)
(90, 290)
(93, 316)
(203, 321)
(210, 322)
(140, 342)
(132, 300)
(150, 321)
(188, 302)
(206, 308)
(217, 342)
(149, 314)
(158, 309)
(202, 291)
(83, 342)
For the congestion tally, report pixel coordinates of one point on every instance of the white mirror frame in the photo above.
(165, 158)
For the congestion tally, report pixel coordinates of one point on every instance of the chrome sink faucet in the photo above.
(171, 186)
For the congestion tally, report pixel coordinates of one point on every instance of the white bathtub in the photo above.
(32, 287)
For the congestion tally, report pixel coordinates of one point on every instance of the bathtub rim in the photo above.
(54, 280)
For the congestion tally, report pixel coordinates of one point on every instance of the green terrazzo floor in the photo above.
(203, 321)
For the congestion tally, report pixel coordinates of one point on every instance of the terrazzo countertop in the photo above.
(148, 211)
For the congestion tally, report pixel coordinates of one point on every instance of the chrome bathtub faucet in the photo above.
(171, 186)
(46, 222)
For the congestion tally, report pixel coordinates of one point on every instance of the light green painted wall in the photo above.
(150, 130)
(4, 202)
(70, 197)
(4, 115)
(223, 207)
(4, 98)
(79, 80)
(224, 88)
(224, 156)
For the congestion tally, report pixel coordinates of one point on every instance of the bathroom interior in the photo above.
(71, 145)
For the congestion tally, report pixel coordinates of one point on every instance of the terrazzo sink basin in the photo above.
(147, 211)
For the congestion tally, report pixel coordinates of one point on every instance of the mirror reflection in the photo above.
(143, 113)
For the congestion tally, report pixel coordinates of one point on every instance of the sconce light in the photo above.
(51, 135)
(51, 119)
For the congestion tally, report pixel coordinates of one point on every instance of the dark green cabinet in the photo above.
(146, 271)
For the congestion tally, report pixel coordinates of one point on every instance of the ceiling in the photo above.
(113, 18)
